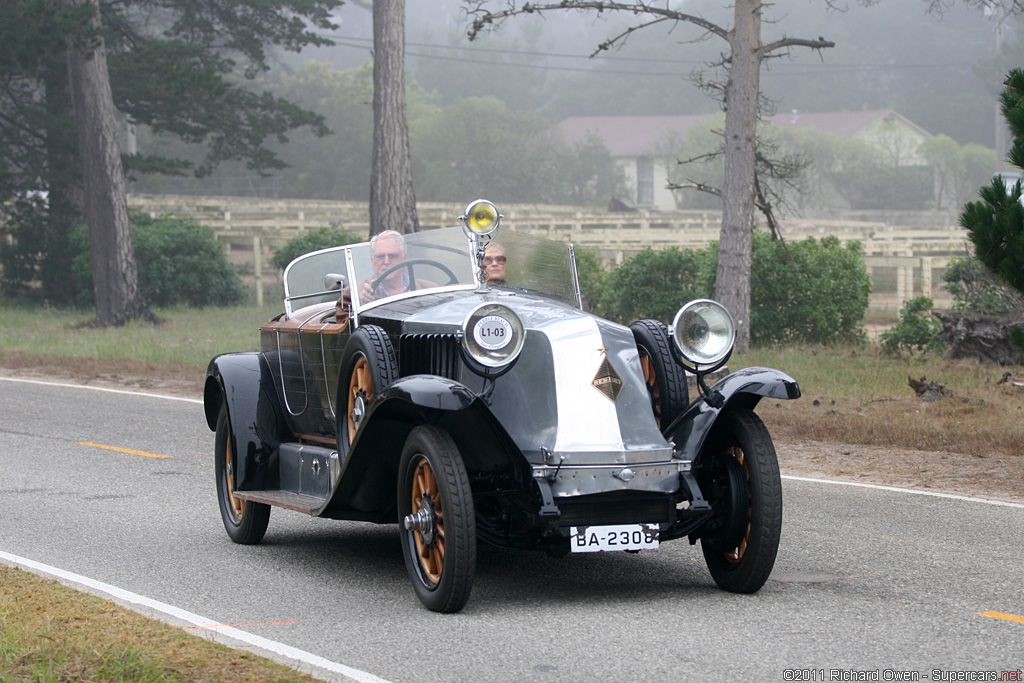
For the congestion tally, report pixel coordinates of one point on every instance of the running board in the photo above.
(283, 499)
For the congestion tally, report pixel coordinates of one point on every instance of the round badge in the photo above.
(492, 332)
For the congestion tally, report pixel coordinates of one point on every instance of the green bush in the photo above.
(179, 261)
(39, 255)
(813, 291)
(976, 289)
(320, 238)
(593, 281)
(654, 284)
(917, 330)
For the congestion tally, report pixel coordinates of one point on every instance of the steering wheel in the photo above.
(409, 263)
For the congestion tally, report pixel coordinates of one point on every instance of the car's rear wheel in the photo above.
(245, 521)
(436, 519)
(665, 378)
(368, 366)
(739, 473)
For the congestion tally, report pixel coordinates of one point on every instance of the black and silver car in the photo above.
(468, 411)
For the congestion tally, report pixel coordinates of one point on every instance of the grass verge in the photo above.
(52, 633)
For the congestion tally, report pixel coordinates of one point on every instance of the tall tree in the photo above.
(392, 200)
(177, 66)
(995, 223)
(115, 279)
(740, 94)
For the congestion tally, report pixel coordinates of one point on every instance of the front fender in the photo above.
(368, 480)
(244, 384)
(743, 388)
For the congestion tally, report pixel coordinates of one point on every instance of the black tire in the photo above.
(665, 377)
(245, 521)
(368, 366)
(741, 556)
(434, 498)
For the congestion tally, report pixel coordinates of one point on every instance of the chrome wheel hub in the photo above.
(424, 521)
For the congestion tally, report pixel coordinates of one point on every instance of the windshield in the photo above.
(432, 259)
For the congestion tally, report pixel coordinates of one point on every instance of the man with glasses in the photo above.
(386, 250)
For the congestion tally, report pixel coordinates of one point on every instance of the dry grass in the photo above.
(858, 396)
(49, 632)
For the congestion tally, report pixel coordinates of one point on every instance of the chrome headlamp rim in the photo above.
(493, 336)
(481, 218)
(720, 330)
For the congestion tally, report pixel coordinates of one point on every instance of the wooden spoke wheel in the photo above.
(368, 366)
(436, 519)
(245, 521)
(740, 471)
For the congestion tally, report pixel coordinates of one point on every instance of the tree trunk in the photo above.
(985, 337)
(741, 91)
(392, 200)
(63, 182)
(115, 281)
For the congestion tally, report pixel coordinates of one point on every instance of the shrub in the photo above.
(320, 238)
(593, 281)
(813, 291)
(654, 284)
(916, 330)
(179, 261)
(39, 254)
(976, 289)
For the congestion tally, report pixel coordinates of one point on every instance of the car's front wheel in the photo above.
(436, 519)
(739, 473)
(245, 521)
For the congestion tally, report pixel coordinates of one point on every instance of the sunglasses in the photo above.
(494, 259)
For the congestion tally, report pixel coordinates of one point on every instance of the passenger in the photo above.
(494, 264)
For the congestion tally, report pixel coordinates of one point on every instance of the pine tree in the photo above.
(995, 223)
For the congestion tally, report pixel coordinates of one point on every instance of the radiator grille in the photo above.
(429, 354)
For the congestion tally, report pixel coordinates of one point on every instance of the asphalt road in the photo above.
(868, 582)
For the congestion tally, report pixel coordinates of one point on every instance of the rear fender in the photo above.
(369, 479)
(742, 389)
(244, 384)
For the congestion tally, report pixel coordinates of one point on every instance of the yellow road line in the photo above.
(124, 450)
(1002, 615)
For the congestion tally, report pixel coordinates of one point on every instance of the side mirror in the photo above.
(333, 281)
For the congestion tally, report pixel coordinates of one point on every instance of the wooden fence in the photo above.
(903, 259)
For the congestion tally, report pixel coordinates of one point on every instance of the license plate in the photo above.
(594, 539)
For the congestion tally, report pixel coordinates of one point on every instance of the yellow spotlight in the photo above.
(481, 217)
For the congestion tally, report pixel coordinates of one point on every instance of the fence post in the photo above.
(257, 268)
(926, 276)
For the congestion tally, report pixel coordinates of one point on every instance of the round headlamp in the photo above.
(481, 217)
(492, 337)
(704, 332)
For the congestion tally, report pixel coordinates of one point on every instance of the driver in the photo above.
(387, 249)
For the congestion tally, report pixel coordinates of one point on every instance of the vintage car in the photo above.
(468, 411)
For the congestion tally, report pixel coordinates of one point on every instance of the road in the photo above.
(867, 580)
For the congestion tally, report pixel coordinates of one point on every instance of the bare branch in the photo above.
(818, 44)
(484, 18)
(693, 185)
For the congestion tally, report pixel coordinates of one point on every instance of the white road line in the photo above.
(92, 388)
(304, 661)
(915, 492)
(894, 489)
